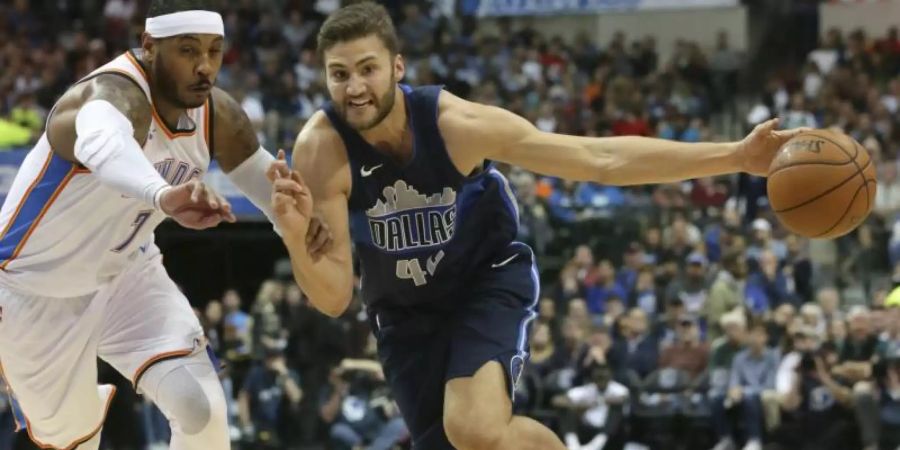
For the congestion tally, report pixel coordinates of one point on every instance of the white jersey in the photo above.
(65, 234)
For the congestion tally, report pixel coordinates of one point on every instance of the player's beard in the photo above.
(167, 87)
(384, 104)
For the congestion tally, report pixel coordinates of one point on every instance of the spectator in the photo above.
(688, 353)
(356, 407)
(269, 400)
(691, 288)
(726, 293)
(597, 411)
(637, 353)
(752, 372)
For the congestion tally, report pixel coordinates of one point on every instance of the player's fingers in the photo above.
(281, 155)
(295, 175)
(787, 134)
(286, 185)
(195, 187)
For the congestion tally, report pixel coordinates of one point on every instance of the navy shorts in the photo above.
(421, 350)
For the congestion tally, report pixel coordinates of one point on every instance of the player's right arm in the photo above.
(101, 125)
(322, 171)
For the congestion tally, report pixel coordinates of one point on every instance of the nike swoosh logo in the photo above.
(365, 173)
(504, 262)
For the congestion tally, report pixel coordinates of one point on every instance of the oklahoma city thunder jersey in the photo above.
(423, 230)
(64, 233)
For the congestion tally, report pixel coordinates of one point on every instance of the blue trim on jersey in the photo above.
(34, 202)
(521, 353)
(18, 414)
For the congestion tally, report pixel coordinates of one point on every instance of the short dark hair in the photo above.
(162, 7)
(358, 21)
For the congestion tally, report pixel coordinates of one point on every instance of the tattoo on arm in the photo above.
(128, 98)
(234, 135)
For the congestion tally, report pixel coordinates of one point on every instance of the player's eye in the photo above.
(188, 51)
(339, 75)
(215, 51)
(367, 70)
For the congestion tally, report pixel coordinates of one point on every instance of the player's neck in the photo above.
(169, 113)
(390, 134)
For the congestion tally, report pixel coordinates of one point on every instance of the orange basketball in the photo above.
(822, 184)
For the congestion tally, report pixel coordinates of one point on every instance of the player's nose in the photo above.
(355, 86)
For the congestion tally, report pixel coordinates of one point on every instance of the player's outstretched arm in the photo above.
(245, 161)
(101, 125)
(476, 132)
(321, 171)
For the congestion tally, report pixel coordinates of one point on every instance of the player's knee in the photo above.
(192, 397)
(471, 432)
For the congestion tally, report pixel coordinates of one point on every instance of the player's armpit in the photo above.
(118, 90)
(319, 159)
(474, 132)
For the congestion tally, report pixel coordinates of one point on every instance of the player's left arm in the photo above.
(475, 132)
(245, 162)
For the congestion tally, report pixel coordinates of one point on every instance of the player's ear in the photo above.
(399, 66)
(148, 45)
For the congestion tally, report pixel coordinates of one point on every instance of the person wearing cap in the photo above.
(691, 287)
(688, 353)
(762, 239)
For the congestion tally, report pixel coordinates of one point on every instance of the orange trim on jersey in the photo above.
(25, 196)
(37, 221)
(162, 125)
(45, 446)
(81, 440)
(155, 359)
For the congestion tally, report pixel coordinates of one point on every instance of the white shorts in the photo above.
(49, 347)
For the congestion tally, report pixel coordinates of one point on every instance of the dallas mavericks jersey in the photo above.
(422, 230)
(64, 234)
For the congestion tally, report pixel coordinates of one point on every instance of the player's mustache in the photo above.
(202, 84)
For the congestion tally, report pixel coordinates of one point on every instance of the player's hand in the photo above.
(195, 205)
(758, 149)
(291, 202)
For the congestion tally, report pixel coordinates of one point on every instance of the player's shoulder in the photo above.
(458, 114)
(319, 134)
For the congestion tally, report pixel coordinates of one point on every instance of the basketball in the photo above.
(822, 184)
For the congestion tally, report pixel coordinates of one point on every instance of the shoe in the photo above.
(725, 444)
(753, 444)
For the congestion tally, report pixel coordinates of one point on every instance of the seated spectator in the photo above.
(602, 287)
(777, 324)
(358, 409)
(637, 353)
(691, 287)
(596, 411)
(724, 349)
(752, 372)
(818, 408)
(726, 293)
(269, 400)
(768, 287)
(688, 353)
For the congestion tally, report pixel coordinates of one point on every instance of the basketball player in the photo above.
(405, 173)
(80, 276)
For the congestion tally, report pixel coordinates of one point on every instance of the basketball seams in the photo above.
(863, 175)
(852, 158)
(847, 210)
(830, 190)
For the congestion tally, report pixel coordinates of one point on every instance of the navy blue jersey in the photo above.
(422, 230)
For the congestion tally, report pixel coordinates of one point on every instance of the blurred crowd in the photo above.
(673, 316)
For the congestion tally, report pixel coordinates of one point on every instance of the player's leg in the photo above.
(478, 415)
(413, 349)
(488, 351)
(48, 351)
(151, 336)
